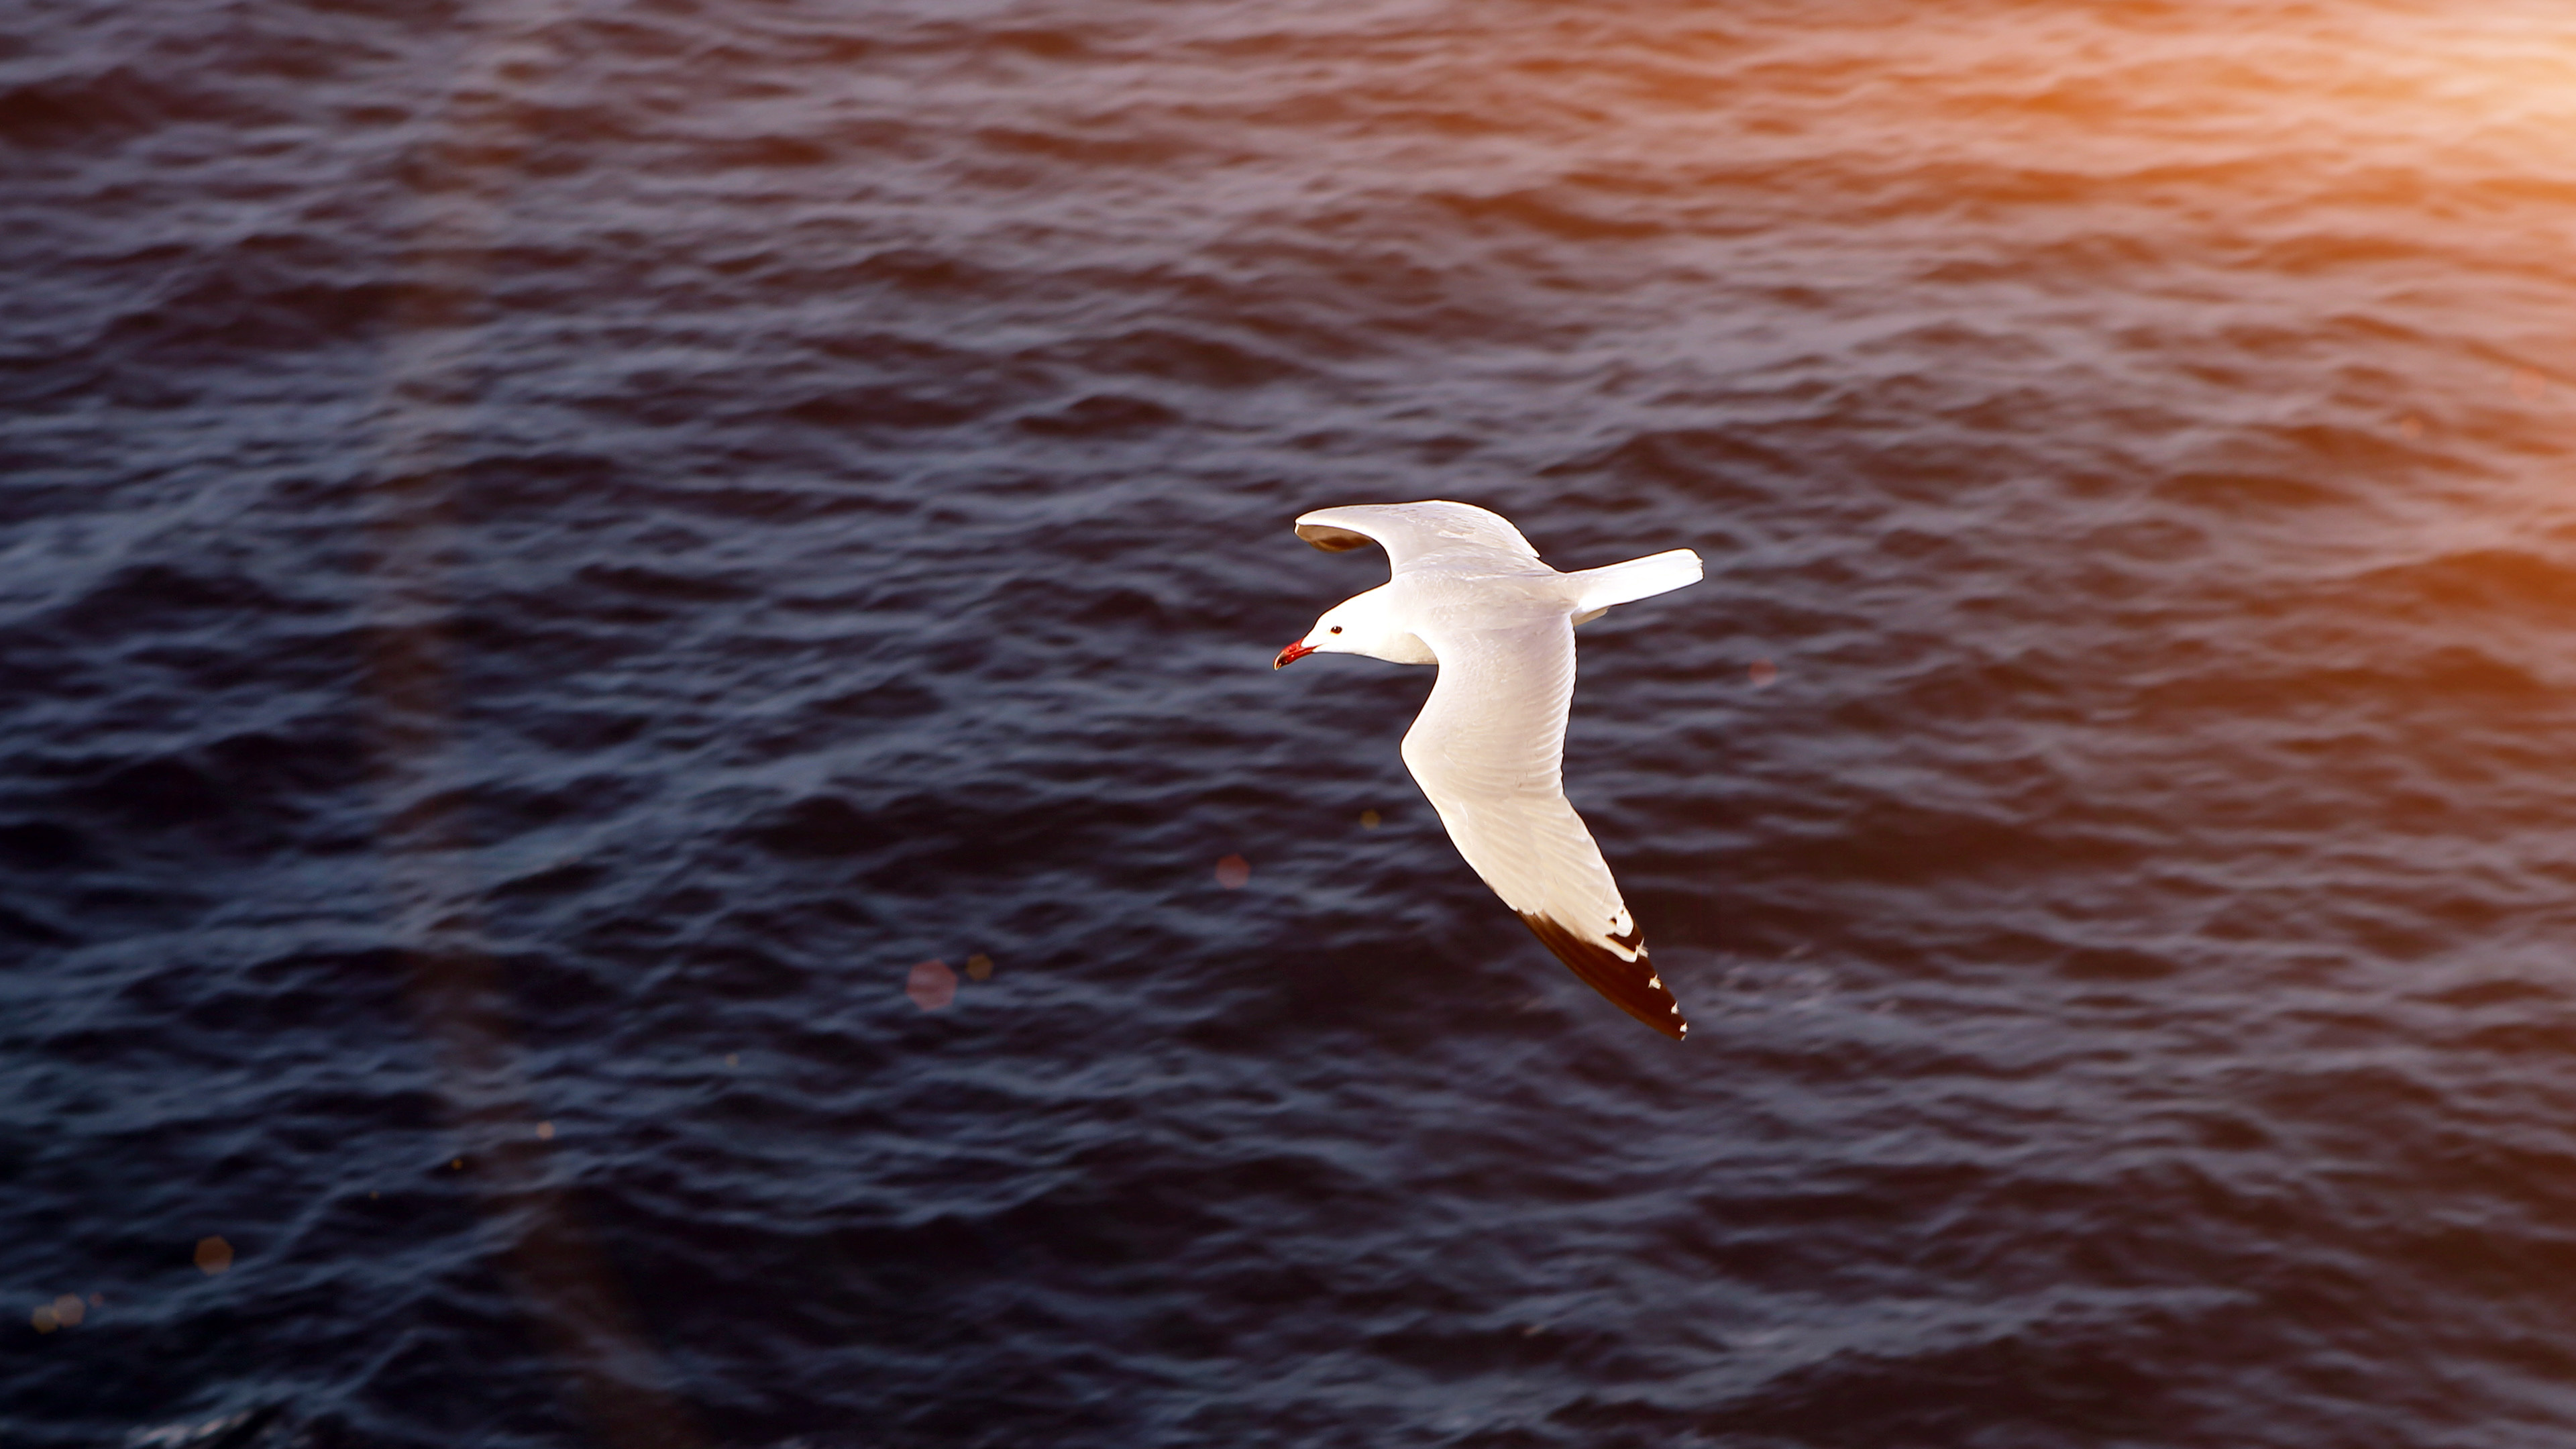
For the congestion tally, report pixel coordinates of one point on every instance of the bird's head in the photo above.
(1361, 625)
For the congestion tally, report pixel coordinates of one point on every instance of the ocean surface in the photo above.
(554, 552)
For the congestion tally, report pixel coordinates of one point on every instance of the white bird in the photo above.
(1470, 595)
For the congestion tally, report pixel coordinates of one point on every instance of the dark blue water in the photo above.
(552, 552)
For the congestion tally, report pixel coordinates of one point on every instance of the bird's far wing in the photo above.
(1488, 750)
(1416, 533)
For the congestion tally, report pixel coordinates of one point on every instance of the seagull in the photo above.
(1470, 595)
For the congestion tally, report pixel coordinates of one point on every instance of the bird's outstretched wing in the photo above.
(1488, 750)
(1415, 534)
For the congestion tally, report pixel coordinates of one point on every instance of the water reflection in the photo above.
(64, 1312)
(2030, 364)
(931, 985)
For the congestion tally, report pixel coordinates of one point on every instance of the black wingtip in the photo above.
(1632, 986)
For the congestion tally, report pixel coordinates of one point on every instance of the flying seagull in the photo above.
(1471, 596)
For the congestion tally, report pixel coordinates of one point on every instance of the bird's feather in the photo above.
(1487, 747)
(1486, 751)
(1418, 535)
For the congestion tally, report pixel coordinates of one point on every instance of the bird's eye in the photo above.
(1337, 628)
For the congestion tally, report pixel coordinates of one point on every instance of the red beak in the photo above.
(1292, 654)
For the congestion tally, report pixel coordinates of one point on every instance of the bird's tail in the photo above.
(1638, 578)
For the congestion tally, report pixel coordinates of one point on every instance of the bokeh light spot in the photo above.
(1762, 673)
(68, 1309)
(733, 1059)
(43, 1318)
(214, 1255)
(1234, 872)
(1368, 820)
(931, 985)
(980, 966)
(545, 1132)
